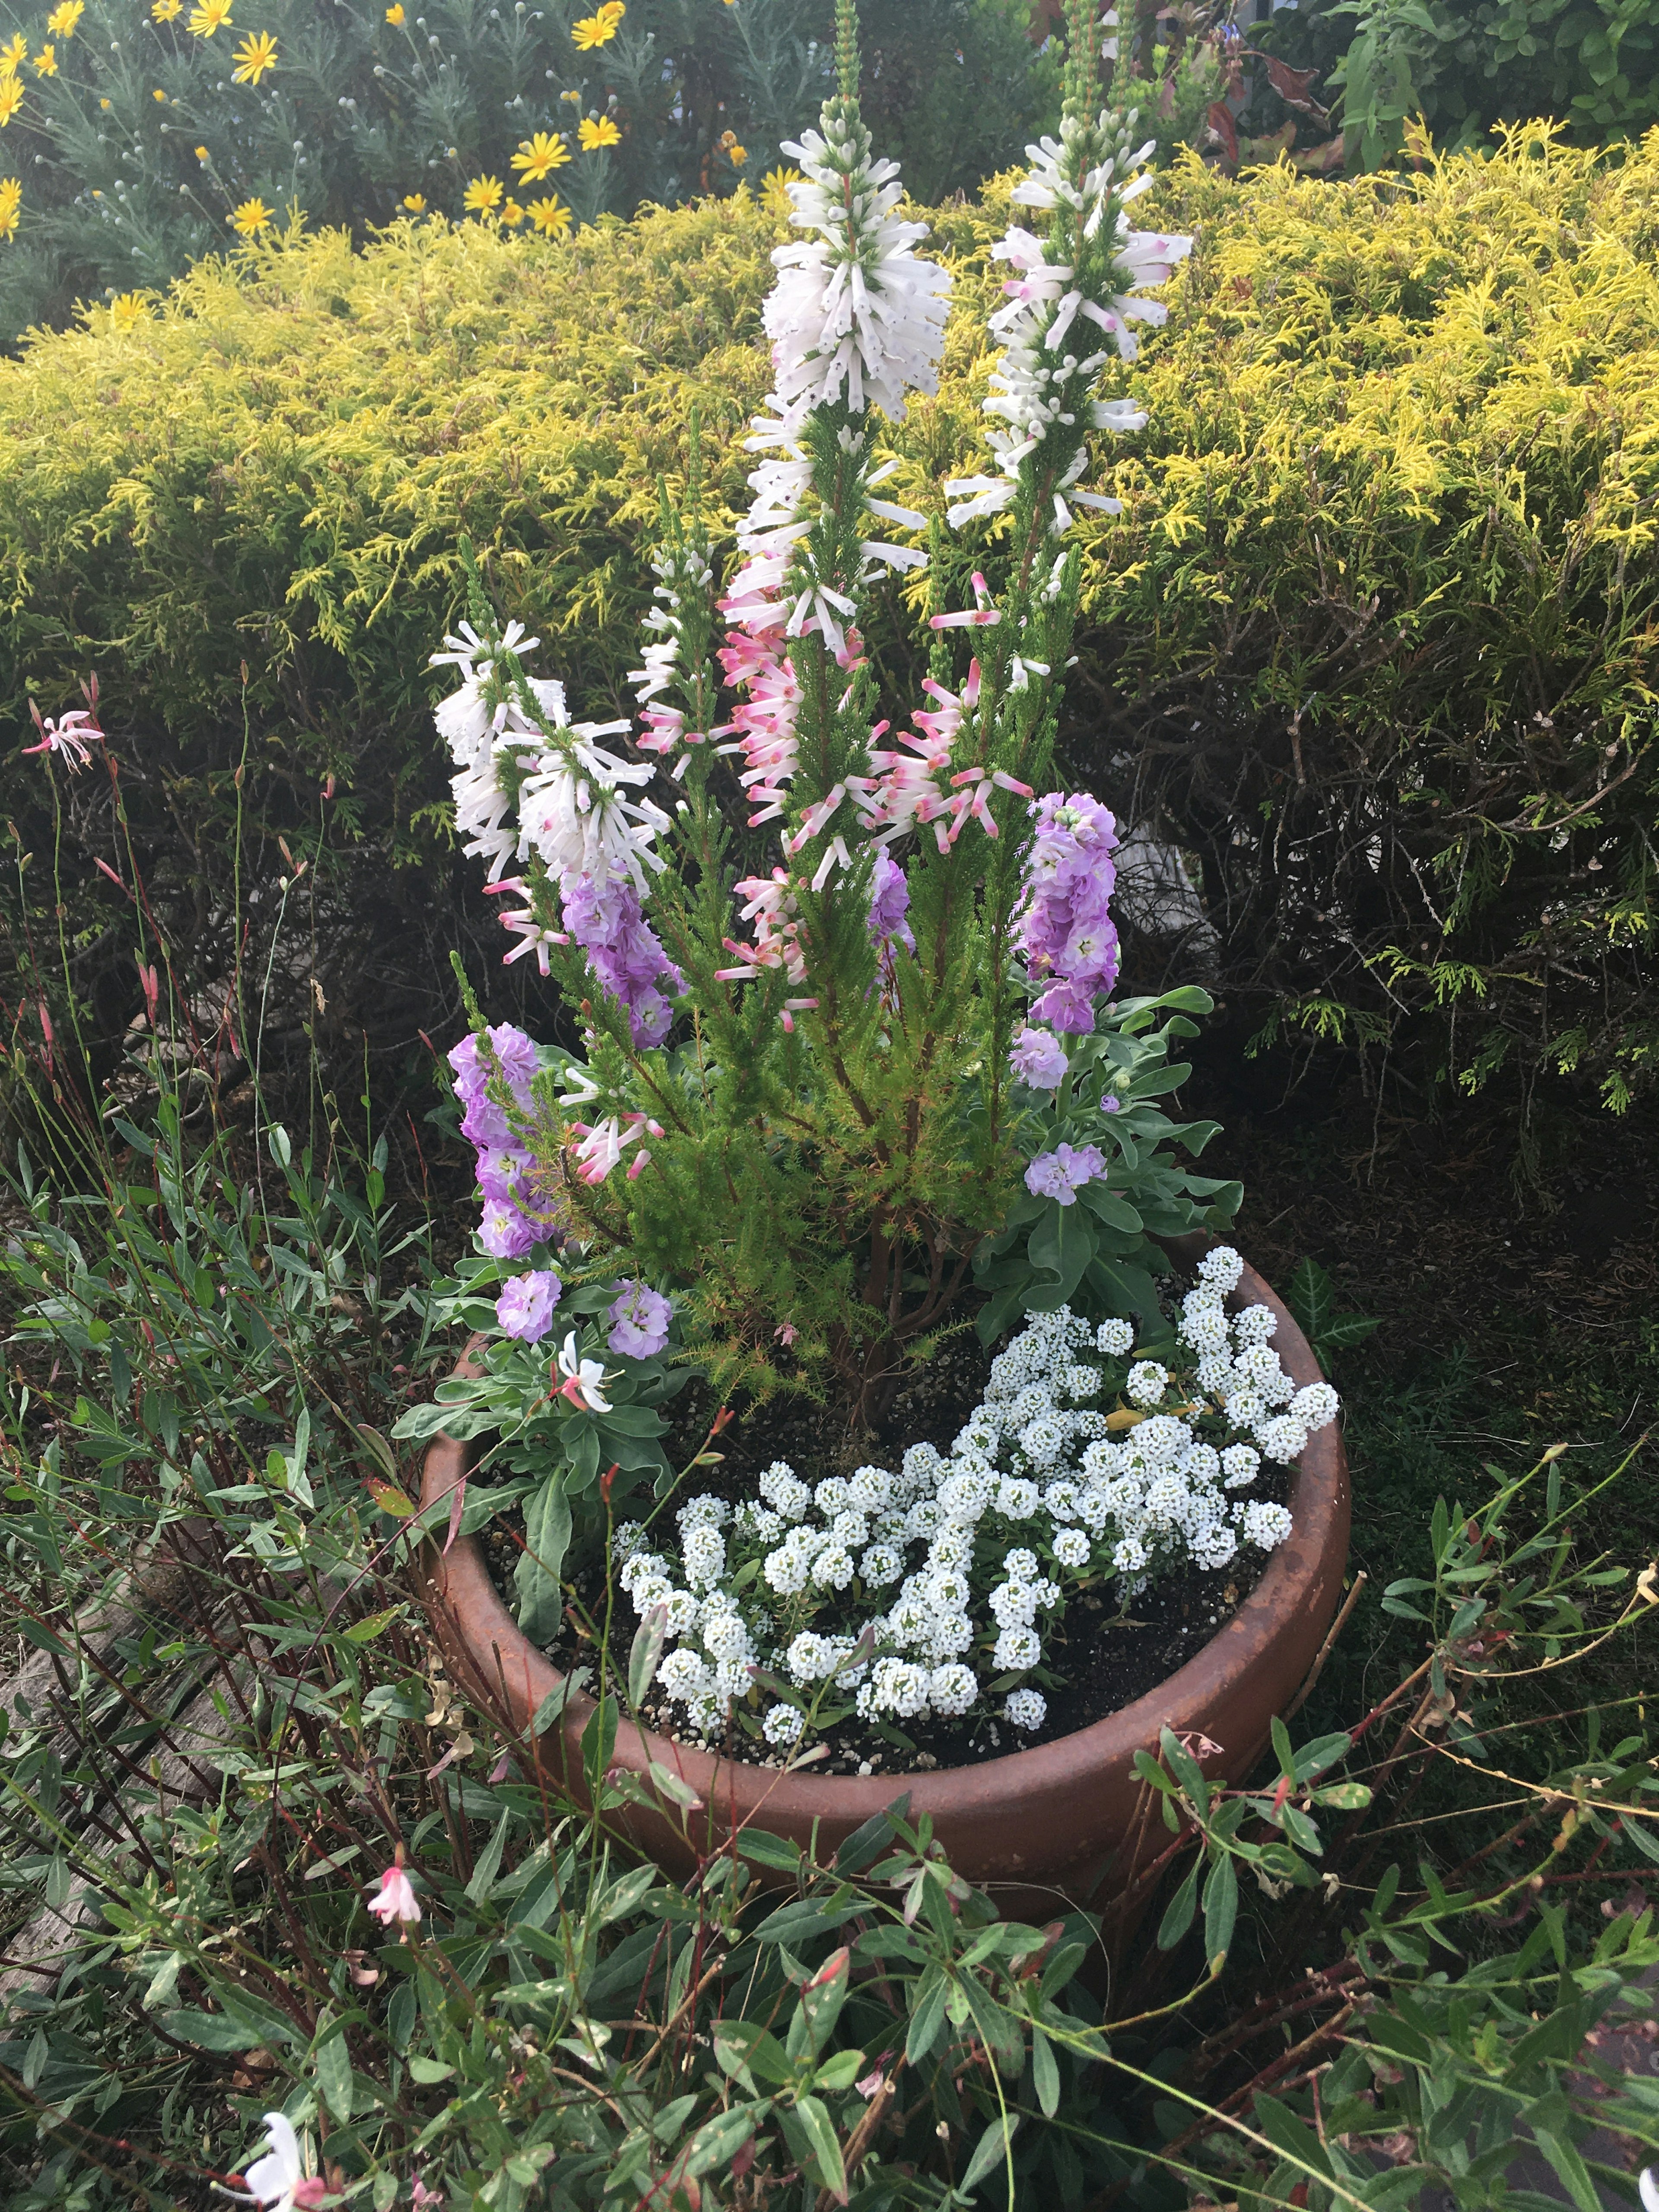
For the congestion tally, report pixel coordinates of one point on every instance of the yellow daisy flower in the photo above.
(394, 16)
(256, 54)
(202, 153)
(591, 31)
(512, 215)
(158, 94)
(252, 215)
(537, 155)
(11, 201)
(550, 216)
(737, 156)
(127, 308)
(63, 19)
(45, 63)
(165, 10)
(774, 191)
(11, 99)
(415, 203)
(592, 135)
(611, 11)
(208, 16)
(14, 51)
(482, 196)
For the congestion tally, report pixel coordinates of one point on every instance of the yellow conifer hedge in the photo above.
(1373, 639)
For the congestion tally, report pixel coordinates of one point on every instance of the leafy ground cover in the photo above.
(212, 1361)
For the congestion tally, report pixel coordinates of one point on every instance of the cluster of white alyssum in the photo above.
(919, 1592)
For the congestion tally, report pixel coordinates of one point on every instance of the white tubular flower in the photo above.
(574, 812)
(854, 315)
(1041, 383)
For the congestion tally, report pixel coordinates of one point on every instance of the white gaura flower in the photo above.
(854, 315)
(277, 2182)
(583, 1379)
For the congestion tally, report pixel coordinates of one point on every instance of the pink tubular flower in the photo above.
(68, 737)
(603, 1144)
(771, 908)
(396, 1899)
(764, 725)
(980, 616)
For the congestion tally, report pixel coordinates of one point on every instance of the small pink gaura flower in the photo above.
(396, 1899)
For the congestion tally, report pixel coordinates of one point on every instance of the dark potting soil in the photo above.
(1101, 1656)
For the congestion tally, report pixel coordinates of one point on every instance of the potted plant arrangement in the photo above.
(858, 1140)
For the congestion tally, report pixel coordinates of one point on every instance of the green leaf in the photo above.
(553, 1704)
(769, 1850)
(820, 2132)
(1310, 1299)
(926, 2014)
(1116, 1213)
(625, 1893)
(1182, 1905)
(1045, 2074)
(1063, 1244)
(646, 1653)
(1564, 2155)
(719, 2139)
(489, 1862)
(990, 2152)
(1220, 1911)
(1347, 1797)
(332, 2060)
(599, 1741)
(536, 1577)
(212, 2031)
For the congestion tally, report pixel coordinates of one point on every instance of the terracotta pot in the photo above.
(1065, 1822)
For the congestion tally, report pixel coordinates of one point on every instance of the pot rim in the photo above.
(1303, 1573)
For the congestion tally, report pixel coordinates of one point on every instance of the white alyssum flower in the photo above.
(906, 1557)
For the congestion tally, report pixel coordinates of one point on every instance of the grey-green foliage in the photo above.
(357, 115)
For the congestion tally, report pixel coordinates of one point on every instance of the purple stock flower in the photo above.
(623, 951)
(483, 1123)
(500, 1172)
(525, 1308)
(1060, 1175)
(639, 1320)
(1110, 1102)
(1065, 929)
(890, 903)
(1038, 1058)
(504, 1232)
